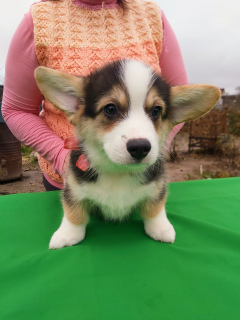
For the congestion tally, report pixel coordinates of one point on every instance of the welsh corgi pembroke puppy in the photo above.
(122, 114)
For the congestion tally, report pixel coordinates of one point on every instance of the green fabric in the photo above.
(118, 272)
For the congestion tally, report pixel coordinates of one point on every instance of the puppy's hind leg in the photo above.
(156, 223)
(73, 227)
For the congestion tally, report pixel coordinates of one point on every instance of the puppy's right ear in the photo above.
(64, 91)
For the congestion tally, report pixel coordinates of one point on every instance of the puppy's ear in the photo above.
(64, 91)
(191, 101)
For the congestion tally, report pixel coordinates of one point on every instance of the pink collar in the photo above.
(71, 143)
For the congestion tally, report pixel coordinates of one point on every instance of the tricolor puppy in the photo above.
(123, 114)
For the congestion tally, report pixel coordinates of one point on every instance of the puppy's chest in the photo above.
(117, 193)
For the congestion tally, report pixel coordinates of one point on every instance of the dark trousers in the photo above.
(48, 186)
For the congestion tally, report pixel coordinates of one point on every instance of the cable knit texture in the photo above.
(78, 40)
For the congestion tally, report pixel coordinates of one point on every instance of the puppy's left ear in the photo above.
(64, 91)
(191, 101)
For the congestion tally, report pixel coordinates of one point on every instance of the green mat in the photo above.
(118, 272)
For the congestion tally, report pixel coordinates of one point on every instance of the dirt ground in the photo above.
(185, 167)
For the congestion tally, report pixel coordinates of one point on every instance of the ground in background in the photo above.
(194, 166)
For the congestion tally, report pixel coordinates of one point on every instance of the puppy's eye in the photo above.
(156, 112)
(110, 109)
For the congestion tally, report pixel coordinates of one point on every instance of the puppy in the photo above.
(122, 114)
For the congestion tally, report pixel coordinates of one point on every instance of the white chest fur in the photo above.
(115, 194)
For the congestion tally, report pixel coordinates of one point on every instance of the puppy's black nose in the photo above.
(138, 148)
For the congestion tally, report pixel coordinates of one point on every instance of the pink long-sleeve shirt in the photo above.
(22, 98)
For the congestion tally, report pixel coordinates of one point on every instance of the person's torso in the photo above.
(78, 40)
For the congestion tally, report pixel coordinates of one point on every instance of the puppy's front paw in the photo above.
(160, 232)
(67, 235)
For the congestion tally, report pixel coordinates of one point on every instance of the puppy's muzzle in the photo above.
(138, 148)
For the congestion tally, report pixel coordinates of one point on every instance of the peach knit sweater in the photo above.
(78, 40)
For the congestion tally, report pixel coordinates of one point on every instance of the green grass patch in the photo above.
(26, 151)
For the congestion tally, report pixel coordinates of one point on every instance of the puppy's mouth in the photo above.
(128, 167)
(129, 163)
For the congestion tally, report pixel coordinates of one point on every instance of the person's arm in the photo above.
(172, 65)
(22, 98)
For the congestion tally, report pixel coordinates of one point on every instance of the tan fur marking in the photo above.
(76, 214)
(76, 118)
(102, 124)
(153, 99)
(152, 208)
(116, 96)
(87, 128)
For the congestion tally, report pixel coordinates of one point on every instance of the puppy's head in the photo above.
(124, 112)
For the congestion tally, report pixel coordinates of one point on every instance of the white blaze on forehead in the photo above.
(138, 79)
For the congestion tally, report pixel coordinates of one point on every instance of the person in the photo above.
(76, 37)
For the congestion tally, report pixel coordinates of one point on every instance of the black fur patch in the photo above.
(163, 89)
(99, 83)
(162, 194)
(82, 176)
(154, 172)
(67, 196)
